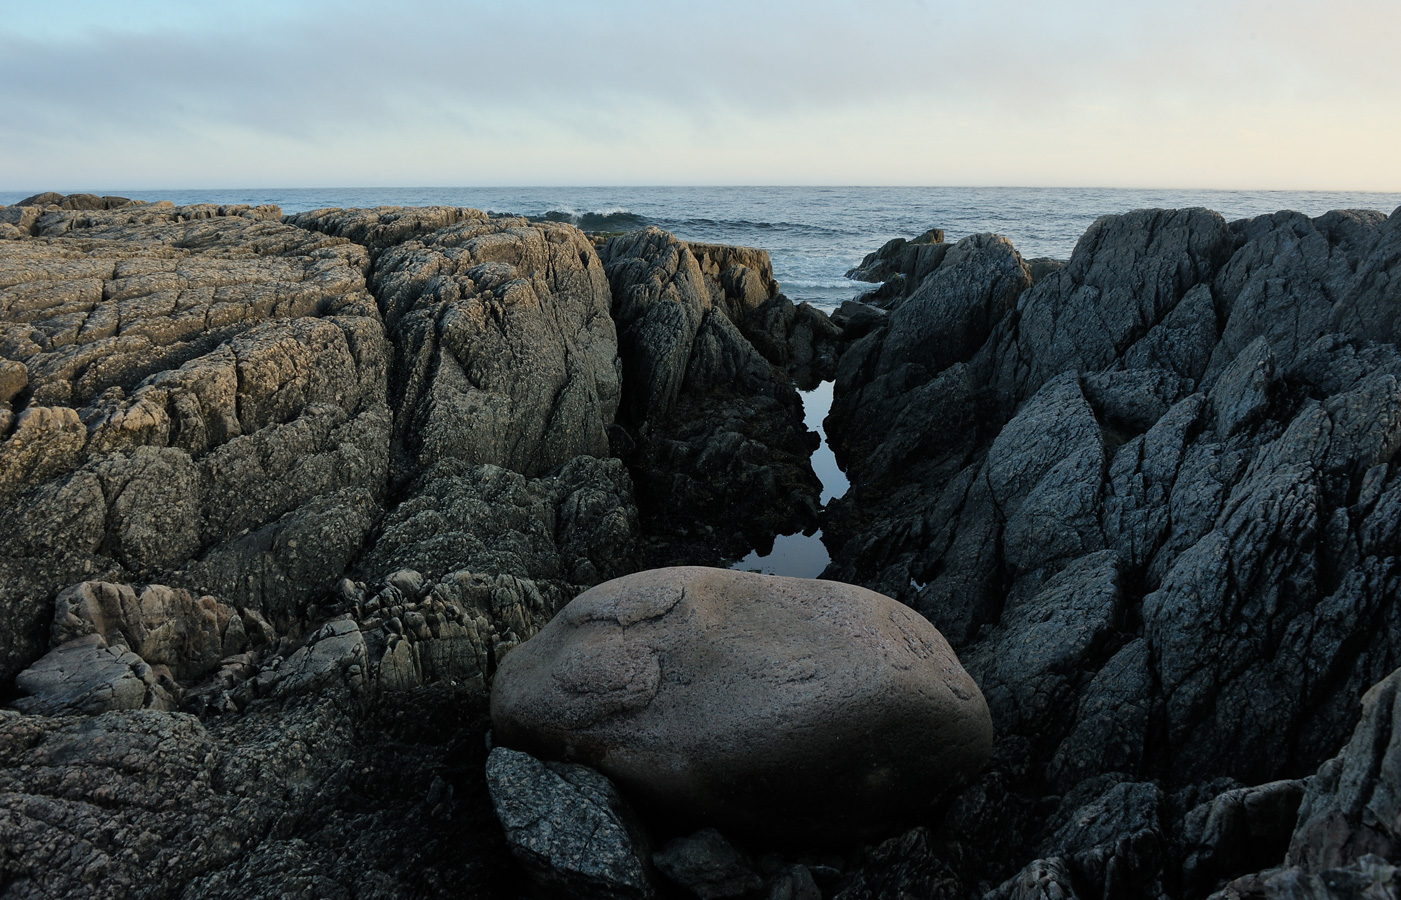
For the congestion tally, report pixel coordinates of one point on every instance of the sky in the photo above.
(1236, 94)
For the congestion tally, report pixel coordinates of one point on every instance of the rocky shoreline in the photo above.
(280, 493)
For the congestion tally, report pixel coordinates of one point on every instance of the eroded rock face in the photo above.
(774, 705)
(198, 396)
(720, 454)
(507, 354)
(1145, 505)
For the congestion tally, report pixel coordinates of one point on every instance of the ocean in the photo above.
(813, 234)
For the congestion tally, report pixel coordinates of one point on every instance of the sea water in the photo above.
(814, 235)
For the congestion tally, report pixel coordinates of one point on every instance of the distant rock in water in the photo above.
(782, 707)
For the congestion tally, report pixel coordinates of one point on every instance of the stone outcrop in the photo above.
(713, 430)
(283, 497)
(778, 706)
(1148, 497)
(199, 401)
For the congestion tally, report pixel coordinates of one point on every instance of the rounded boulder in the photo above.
(786, 708)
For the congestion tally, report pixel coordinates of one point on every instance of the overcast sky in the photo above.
(1220, 94)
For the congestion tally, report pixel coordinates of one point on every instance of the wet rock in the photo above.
(567, 825)
(678, 668)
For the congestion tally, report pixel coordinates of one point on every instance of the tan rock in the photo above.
(782, 706)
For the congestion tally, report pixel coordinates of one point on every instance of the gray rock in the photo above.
(1239, 831)
(1367, 306)
(575, 527)
(1115, 843)
(707, 865)
(200, 381)
(1353, 805)
(907, 260)
(189, 635)
(1042, 879)
(567, 825)
(659, 299)
(670, 681)
(904, 866)
(84, 676)
(949, 316)
(508, 356)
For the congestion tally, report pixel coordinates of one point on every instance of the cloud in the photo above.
(596, 88)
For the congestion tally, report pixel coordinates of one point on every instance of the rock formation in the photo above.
(281, 496)
(1150, 498)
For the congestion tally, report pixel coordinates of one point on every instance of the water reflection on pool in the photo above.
(804, 555)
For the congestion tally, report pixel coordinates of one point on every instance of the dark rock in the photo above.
(1239, 831)
(659, 300)
(909, 260)
(708, 866)
(567, 825)
(1042, 879)
(670, 681)
(1351, 806)
(905, 866)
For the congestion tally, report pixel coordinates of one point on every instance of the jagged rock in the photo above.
(75, 201)
(305, 796)
(507, 353)
(379, 228)
(205, 389)
(575, 527)
(1282, 285)
(669, 681)
(1367, 307)
(1239, 831)
(1031, 668)
(568, 826)
(724, 463)
(189, 635)
(707, 865)
(904, 866)
(1126, 275)
(906, 260)
(1351, 807)
(1114, 843)
(84, 676)
(335, 654)
(796, 883)
(659, 300)
(739, 279)
(1042, 879)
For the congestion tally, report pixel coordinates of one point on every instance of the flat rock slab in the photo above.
(782, 707)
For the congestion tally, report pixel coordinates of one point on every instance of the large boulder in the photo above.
(783, 707)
